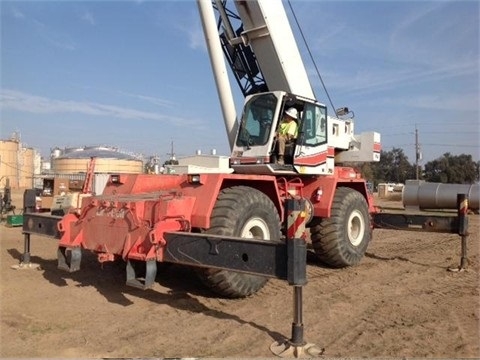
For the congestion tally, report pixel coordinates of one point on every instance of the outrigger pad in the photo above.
(304, 351)
(69, 258)
(141, 274)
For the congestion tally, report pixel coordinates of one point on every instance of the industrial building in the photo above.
(25, 168)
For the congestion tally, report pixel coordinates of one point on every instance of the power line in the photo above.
(474, 125)
(15, 167)
(453, 145)
(396, 146)
(452, 132)
(412, 144)
(311, 56)
(448, 145)
(396, 134)
(433, 132)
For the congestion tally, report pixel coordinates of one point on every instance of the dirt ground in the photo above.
(400, 301)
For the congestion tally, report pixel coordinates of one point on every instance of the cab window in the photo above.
(314, 125)
(257, 120)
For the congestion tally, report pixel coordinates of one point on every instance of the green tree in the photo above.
(367, 171)
(453, 169)
(170, 162)
(393, 167)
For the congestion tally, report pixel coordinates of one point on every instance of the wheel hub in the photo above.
(356, 228)
(255, 228)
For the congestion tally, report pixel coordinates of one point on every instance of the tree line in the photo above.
(394, 167)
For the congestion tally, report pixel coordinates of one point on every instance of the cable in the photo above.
(15, 167)
(311, 57)
(454, 145)
(432, 133)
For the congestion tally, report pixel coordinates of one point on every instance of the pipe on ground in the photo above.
(425, 195)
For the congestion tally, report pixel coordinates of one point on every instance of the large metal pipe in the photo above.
(425, 195)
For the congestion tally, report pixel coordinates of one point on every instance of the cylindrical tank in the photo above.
(425, 195)
(102, 165)
(106, 161)
(9, 162)
(26, 163)
(46, 165)
(17, 164)
(55, 152)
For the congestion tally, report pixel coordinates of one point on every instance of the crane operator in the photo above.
(287, 132)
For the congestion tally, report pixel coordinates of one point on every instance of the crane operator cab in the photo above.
(256, 146)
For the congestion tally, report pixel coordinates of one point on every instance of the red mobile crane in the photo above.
(140, 217)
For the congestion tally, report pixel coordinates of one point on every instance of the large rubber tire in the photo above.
(342, 239)
(244, 212)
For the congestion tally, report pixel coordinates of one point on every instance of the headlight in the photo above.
(115, 179)
(194, 179)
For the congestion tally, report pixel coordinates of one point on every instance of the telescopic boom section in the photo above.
(239, 56)
(219, 68)
(267, 30)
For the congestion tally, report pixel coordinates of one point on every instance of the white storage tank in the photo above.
(107, 160)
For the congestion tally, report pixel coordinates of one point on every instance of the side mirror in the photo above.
(344, 111)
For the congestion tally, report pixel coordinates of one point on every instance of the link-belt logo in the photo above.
(111, 212)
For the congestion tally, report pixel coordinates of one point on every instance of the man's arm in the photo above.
(292, 131)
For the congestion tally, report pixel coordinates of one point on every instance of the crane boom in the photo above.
(266, 29)
(259, 45)
(222, 82)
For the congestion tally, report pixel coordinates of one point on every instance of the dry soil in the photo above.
(400, 301)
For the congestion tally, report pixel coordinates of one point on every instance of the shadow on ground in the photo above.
(109, 280)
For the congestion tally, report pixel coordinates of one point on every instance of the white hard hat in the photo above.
(292, 112)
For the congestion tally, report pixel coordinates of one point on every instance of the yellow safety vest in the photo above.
(288, 128)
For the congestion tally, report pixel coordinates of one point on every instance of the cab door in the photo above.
(312, 153)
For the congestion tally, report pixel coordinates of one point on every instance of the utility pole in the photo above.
(172, 160)
(418, 154)
(171, 153)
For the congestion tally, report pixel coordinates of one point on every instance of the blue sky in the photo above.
(136, 74)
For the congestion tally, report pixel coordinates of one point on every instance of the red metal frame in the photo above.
(134, 211)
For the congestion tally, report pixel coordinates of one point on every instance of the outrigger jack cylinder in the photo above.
(431, 223)
(282, 260)
(296, 346)
(462, 211)
(297, 277)
(29, 199)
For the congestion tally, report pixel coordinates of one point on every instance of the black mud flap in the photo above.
(141, 274)
(69, 258)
